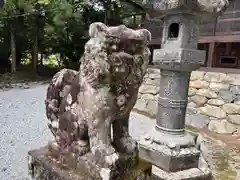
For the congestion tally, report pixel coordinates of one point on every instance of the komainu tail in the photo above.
(57, 90)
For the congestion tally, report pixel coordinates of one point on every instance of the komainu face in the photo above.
(83, 105)
(116, 50)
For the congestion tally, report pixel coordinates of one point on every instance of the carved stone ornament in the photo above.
(162, 7)
(81, 106)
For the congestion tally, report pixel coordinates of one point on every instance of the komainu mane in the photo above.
(83, 105)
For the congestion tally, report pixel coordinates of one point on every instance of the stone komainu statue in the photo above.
(83, 105)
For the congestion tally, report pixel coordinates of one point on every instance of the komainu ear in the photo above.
(147, 37)
(97, 29)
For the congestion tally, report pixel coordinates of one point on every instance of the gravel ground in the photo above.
(24, 127)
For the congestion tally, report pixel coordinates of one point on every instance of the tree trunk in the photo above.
(35, 44)
(41, 59)
(13, 51)
(18, 58)
(35, 53)
(5, 63)
(108, 12)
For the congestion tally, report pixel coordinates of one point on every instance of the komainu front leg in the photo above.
(101, 143)
(71, 135)
(81, 144)
(121, 138)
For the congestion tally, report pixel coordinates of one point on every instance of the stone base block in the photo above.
(44, 166)
(169, 152)
(170, 163)
(190, 174)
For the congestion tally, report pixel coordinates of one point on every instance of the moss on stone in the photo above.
(223, 167)
(191, 128)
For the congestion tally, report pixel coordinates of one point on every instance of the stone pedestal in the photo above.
(44, 165)
(168, 146)
(189, 174)
(175, 155)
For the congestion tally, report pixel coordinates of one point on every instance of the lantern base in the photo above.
(170, 152)
(190, 174)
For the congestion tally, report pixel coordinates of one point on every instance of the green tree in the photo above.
(52, 27)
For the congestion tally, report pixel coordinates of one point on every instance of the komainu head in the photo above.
(112, 50)
(116, 38)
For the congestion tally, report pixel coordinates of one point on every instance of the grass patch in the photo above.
(223, 167)
(27, 74)
(20, 77)
(192, 129)
(144, 113)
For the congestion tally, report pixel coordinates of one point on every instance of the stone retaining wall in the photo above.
(215, 95)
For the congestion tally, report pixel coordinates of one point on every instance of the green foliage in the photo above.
(58, 27)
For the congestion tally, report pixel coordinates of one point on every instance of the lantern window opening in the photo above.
(173, 31)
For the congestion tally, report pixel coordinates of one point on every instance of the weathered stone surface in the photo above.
(222, 127)
(226, 95)
(103, 91)
(46, 166)
(215, 102)
(189, 174)
(237, 99)
(199, 84)
(238, 175)
(154, 76)
(147, 105)
(148, 89)
(215, 77)
(231, 108)
(197, 75)
(153, 71)
(235, 90)
(148, 97)
(207, 93)
(214, 118)
(191, 105)
(234, 79)
(146, 76)
(199, 100)
(154, 82)
(212, 111)
(216, 87)
(191, 110)
(237, 102)
(235, 119)
(197, 120)
(213, 8)
(192, 91)
(141, 105)
(152, 107)
(176, 59)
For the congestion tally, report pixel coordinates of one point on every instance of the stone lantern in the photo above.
(169, 146)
